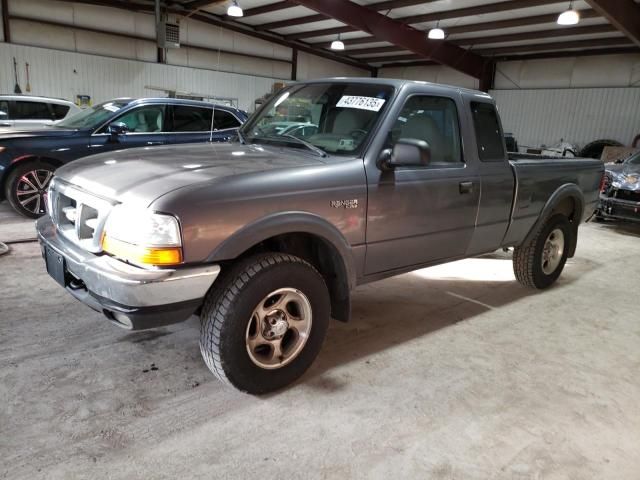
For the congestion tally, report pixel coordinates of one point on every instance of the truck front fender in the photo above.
(556, 204)
(287, 223)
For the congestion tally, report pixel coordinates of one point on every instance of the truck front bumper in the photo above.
(132, 297)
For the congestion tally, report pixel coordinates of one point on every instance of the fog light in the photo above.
(122, 319)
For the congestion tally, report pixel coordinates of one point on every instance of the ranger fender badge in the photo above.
(344, 203)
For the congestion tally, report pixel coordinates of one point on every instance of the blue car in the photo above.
(28, 158)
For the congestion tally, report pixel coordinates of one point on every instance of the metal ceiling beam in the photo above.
(623, 14)
(515, 22)
(271, 7)
(514, 37)
(574, 53)
(218, 21)
(198, 4)
(600, 42)
(478, 27)
(392, 31)
(419, 63)
(386, 5)
(435, 16)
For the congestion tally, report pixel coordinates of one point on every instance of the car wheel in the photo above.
(539, 263)
(264, 321)
(26, 188)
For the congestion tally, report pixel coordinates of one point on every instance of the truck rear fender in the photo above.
(567, 200)
(305, 235)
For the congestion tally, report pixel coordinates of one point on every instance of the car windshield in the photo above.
(329, 117)
(93, 116)
(634, 159)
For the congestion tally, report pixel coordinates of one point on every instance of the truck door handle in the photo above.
(155, 143)
(466, 187)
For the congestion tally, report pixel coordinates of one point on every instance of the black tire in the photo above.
(595, 148)
(528, 258)
(14, 186)
(228, 309)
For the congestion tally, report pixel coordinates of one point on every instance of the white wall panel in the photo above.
(66, 74)
(578, 115)
(431, 73)
(312, 66)
(621, 70)
(76, 16)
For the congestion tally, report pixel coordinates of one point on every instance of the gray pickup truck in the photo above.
(265, 238)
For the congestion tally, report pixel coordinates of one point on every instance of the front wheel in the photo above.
(264, 321)
(26, 188)
(539, 262)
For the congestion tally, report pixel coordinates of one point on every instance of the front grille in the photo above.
(78, 215)
(627, 195)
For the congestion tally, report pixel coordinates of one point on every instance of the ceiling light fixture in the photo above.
(569, 17)
(234, 9)
(337, 44)
(436, 33)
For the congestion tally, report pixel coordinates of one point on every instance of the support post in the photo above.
(5, 21)
(294, 63)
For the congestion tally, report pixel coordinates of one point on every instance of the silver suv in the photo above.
(25, 111)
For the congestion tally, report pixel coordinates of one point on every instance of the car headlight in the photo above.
(142, 237)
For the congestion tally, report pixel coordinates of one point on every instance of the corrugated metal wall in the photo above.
(577, 115)
(66, 74)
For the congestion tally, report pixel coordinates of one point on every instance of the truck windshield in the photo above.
(329, 117)
(93, 116)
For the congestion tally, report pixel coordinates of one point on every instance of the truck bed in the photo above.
(537, 177)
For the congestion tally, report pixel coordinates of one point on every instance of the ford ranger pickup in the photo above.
(265, 237)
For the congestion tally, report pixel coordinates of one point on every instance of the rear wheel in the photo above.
(538, 263)
(26, 188)
(264, 321)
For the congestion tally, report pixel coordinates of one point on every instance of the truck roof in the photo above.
(393, 82)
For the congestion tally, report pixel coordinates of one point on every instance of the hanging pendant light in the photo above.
(234, 9)
(569, 17)
(337, 44)
(436, 33)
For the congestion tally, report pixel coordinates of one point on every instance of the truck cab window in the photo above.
(487, 128)
(434, 120)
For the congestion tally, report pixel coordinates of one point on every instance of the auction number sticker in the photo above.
(361, 103)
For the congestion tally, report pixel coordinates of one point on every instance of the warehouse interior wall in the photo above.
(431, 73)
(55, 73)
(104, 52)
(576, 99)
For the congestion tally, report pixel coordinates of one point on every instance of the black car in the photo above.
(28, 158)
(620, 195)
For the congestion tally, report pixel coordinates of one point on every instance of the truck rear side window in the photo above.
(487, 126)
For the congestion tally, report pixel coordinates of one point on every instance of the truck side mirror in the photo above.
(117, 128)
(407, 152)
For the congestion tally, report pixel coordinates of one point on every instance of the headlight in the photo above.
(142, 237)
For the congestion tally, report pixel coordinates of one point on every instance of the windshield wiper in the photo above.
(287, 137)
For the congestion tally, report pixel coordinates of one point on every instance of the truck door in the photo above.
(421, 215)
(496, 177)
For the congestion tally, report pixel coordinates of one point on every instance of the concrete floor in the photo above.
(449, 372)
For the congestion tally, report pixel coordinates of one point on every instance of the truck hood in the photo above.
(138, 176)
